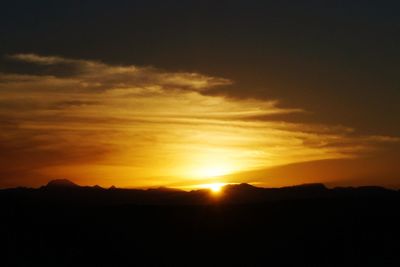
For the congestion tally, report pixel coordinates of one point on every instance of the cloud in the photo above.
(138, 126)
(93, 75)
(36, 59)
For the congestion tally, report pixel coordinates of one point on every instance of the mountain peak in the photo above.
(242, 186)
(61, 183)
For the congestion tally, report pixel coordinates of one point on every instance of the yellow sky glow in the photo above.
(136, 127)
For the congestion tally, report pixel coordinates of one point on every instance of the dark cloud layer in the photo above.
(337, 59)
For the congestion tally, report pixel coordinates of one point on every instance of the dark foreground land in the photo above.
(67, 225)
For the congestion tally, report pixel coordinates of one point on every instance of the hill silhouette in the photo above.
(61, 183)
(63, 190)
(64, 224)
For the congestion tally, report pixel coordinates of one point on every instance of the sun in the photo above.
(215, 187)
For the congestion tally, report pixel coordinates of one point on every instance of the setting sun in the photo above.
(215, 187)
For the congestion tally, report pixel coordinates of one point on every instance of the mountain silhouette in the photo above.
(61, 183)
(64, 224)
(63, 190)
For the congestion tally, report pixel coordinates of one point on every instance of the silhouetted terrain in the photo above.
(63, 224)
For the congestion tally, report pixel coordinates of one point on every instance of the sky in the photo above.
(184, 93)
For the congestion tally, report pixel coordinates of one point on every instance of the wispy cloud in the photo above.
(127, 124)
(89, 75)
(36, 59)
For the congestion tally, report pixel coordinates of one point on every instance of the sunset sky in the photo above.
(185, 93)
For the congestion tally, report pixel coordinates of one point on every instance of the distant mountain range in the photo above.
(66, 191)
(64, 224)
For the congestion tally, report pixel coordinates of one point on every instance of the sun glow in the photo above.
(206, 162)
(213, 172)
